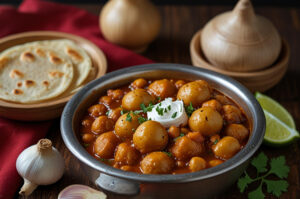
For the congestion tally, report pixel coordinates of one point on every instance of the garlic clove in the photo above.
(78, 191)
(132, 24)
(39, 164)
(240, 40)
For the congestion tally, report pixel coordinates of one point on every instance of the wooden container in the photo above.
(256, 81)
(52, 108)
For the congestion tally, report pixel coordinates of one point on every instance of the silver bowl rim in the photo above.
(245, 154)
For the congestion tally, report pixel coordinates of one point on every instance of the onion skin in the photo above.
(78, 191)
(130, 23)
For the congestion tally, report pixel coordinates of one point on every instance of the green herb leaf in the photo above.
(260, 163)
(143, 107)
(256, 194)
(216, 141)
(107, 113)
(189, 109)
(181, 135)
(276, 187)
(86, 145)
(168, 153)
(169, 107)
(142, 120)
(243, 182)
(158, 98)
(128, 117)
(174, 115)
(279, 168)
(160, 111)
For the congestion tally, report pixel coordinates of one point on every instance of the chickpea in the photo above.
(126, 154)
(226, 147)
(150, 136)
(133, 99)
(185, 148)
(194, 92)
(197, 164)
(179, 84)
(115, 94)
(232, 114)
(238, 131)
(114, 114)
(157, 163)
(127, 168)
(105, 145)
(174, 131)
(97, 110)
(184, 130)
(215, 162)
(213, 104)
(87, 137)
(139, 83)
(162, 88)
(102, 124)
(125, 128)
(86, 123)
(206, 120)
(107, 100)
(196, 136)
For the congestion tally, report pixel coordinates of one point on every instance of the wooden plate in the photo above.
(52, 108)
(255, 81)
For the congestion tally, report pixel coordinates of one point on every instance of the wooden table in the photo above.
(172, 45)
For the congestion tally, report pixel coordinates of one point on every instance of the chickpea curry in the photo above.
(164, 126)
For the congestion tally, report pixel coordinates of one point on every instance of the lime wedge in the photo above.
(275, 109)
(277, 132)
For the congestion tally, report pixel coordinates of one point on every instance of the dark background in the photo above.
(185, 2)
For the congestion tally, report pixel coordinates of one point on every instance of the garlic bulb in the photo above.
(78, 191)
(130, 23)
(40, 164)
(240, 40)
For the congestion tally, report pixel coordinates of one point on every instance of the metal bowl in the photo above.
(205, 183)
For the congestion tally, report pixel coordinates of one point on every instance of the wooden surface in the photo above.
(172, 45)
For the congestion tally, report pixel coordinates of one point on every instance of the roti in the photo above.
(30, 73)
(82, 63)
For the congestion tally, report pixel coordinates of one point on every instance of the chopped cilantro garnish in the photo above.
(168, 153)
(277, 167)
(142, 120)
(169, 107)
(86, 145)
(148, 108)
(216, 141)
(174, 115)
(129, 117)
(181, 135)
(189, 109)
(107, 113)
(165, 110)
(158, 98)
(160, 111)
(143, 107)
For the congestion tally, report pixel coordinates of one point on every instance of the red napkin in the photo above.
(39, 15)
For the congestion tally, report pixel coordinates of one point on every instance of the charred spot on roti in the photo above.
(3, 61)
(16, 73)
(74, 54)
(29, 83)
(54, 59)
(56, 74)
(19, 84)
(27, 57)
(40, 52)
(46, 83)
(17, 92)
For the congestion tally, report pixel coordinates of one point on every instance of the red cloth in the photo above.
(39, 15)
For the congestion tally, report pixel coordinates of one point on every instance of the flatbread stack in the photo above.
(43, 70)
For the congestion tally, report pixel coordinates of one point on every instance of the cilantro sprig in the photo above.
(148, 108)
(275, 187)
(189, 109)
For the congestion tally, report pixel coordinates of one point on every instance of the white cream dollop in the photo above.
(168, 113)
